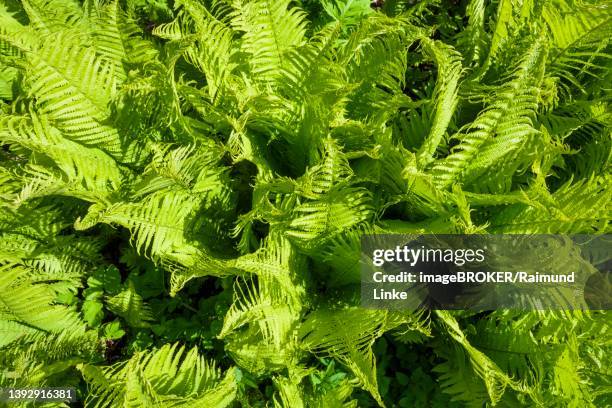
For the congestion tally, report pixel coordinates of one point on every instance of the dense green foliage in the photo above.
(183, 188)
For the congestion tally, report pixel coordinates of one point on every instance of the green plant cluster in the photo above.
(184, 185)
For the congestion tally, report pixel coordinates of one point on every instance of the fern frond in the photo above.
(508, 116)
(85, 171)
(116, 38)
(504, 23)
(348, 335)
(310, 69)
(158, 229)
(580, 37)
(581, 207)
(449, 72)
(271, 305)
(495, 380)
(380, 77)
(214, 50)
(165, 377)
(472, 41)
(271, 29)
(28, 308)
(50, 17)
(46, 359)
(323, 218)
(73, 86)
(163, 216)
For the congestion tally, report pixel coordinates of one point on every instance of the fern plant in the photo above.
(184, 186)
